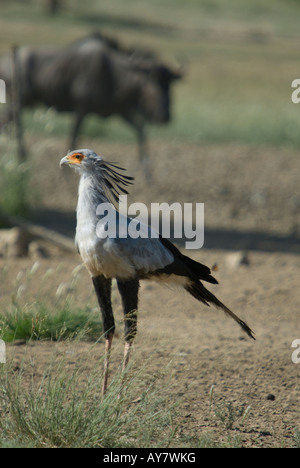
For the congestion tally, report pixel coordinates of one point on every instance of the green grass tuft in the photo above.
(65, 409)
(50, 315)
(37, 322)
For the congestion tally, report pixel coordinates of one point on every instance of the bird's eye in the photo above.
(78, 156)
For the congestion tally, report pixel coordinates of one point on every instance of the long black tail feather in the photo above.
(197, 290)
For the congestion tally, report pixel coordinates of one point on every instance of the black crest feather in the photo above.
(112, 180)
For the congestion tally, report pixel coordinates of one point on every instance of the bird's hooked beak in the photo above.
(70, 159)
(64, 161)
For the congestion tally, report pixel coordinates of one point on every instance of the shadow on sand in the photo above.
(222, 239)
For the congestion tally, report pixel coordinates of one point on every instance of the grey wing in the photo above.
(146, 253)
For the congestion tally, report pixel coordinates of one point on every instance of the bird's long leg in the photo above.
(126, 354)
(129, 294)
(102, 287)
(108, 342)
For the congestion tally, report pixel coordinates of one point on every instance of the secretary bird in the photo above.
(126, 259)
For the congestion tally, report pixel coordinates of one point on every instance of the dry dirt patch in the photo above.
(252, 204)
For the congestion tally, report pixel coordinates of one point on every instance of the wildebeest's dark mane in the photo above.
(136, 53)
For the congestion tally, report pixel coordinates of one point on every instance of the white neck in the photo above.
(90, 195)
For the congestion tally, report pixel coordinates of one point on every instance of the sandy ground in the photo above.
(252, 204)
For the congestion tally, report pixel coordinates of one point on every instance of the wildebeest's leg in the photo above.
(139, 125)
(79, 116)
(6, 118)
(143, 152)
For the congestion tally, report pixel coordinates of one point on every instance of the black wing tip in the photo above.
(211, 279)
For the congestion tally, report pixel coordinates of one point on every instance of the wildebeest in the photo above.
(96, 75)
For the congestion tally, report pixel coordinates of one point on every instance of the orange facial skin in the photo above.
(75, 158)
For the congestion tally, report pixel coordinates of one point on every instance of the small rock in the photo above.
(14, 242)
(235, 259)
(265, 433)
(258, 198)
(35, 250)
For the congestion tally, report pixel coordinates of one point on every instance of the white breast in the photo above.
(98, 254)
(116, 256)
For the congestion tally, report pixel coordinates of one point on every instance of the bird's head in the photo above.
(82, 160)
(106, 174)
